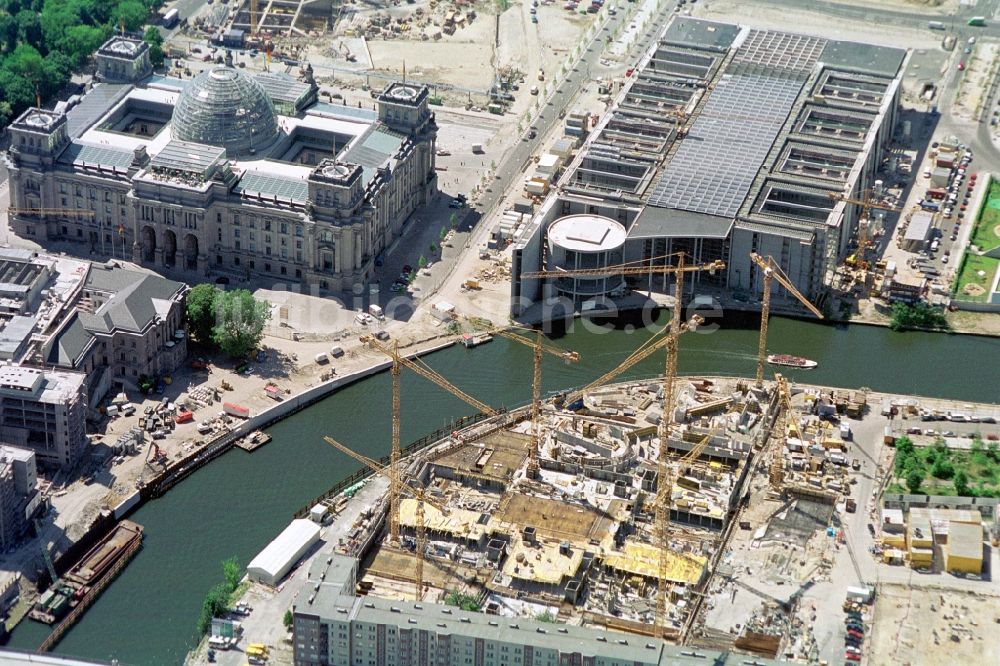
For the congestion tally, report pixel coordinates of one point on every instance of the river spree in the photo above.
(236, 504)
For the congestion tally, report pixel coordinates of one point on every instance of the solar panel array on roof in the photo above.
(187, 156)
(780, 50)
(716, 164)
(105, 156)
(94, 104)
(283, 187)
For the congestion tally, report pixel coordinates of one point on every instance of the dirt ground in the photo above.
(980, 70)
(931, 628)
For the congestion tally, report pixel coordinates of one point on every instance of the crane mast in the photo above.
(772, 272)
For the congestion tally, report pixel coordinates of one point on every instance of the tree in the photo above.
(546, 616)
(239, 322)
(913, 480)
(29, 28)
(918, 315)
(233, 572)
(288, 619)
(215, 604)
(8, 32)
(962, 484)
(130, 13)
(200, 311)
(153, 37)
(422, 261)
(942, 468)
(80, 41)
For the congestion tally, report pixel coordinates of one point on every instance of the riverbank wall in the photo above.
(186, 466)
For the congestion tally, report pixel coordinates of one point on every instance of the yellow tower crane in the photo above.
(869, 201)
(664, 473)
(538, 345)
(655, 343)
(776, 472)
(773, 272)
(422, 369)
(413, 487)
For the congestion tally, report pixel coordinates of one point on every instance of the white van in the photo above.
(376, 312)
(322, 358)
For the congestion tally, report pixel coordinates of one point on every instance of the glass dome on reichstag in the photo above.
(224, 107)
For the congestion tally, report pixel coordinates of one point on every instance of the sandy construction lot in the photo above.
(934, 627)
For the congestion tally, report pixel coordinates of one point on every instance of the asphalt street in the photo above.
(513, 165)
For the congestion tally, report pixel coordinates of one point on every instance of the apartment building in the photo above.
(44, 411)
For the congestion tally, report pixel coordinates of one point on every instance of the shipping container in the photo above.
(236, 410)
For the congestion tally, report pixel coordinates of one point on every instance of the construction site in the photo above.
(350, 44)
(608, 506)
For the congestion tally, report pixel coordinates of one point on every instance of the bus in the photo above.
(977, 21)
(171, 18)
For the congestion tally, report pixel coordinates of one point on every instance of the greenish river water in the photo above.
(236, 504)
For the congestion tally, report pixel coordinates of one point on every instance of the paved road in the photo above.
(985, 8)
(513, 164)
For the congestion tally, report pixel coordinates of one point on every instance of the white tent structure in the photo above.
(272, 563)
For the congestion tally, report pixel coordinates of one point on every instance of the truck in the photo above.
(851, 505)
(171, 18)
(977, 21)
(861, 595)
(477, 148)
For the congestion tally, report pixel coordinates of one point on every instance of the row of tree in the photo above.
(43, 41)
(217, 600)
(232, 321)
(917, 316)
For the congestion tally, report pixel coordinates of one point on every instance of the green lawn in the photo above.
(971, 267)
(984, 236)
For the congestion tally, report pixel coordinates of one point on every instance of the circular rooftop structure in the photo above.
(587, 233)
(224, 107)
(582, 243)
(404, 93)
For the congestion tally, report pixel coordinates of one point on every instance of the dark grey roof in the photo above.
(186, 156)
(80, 154)
(15, 334)
(266, 185)
(70, 343)
(868, 58)
(686, 31)
(655, 222)
(373, 150)
(94, 104)
(131, 307)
